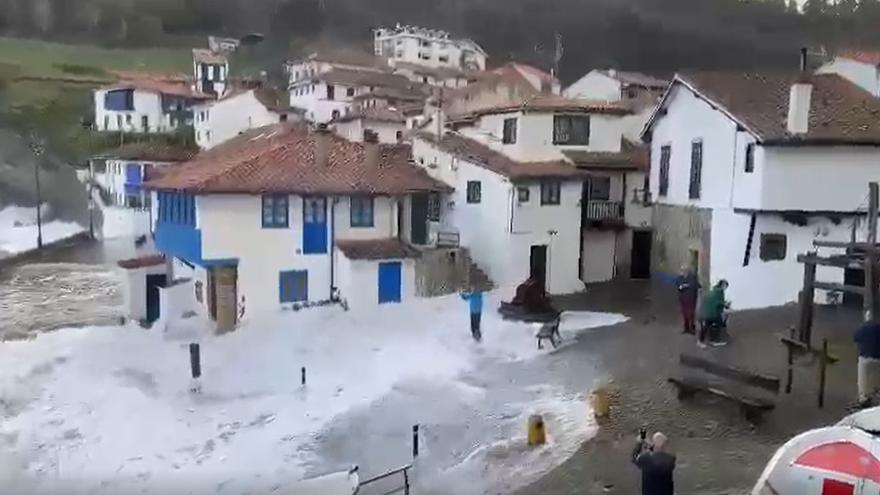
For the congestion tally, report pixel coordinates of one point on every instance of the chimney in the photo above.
(371, 149)
(799, 98)
(322, 145)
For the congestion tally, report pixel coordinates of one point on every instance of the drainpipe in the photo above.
(333, 295)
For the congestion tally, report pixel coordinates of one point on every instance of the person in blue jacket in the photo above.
(475, 299)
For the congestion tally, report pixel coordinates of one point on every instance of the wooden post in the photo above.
(195, 362)
(790, 375)
(302, 375)
(869, 302)
(415, 441)
(823, 368)
(808, 294)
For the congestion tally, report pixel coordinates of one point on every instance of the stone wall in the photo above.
(442, 271)
(682, 236)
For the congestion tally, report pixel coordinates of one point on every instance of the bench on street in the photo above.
(752, 405)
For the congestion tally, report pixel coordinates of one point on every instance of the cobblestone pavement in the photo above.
(719, 453)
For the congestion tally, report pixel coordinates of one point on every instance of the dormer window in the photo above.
(571, 130)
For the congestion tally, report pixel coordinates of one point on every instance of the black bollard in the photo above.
(415, 441)
(195, 362)
(302, 373)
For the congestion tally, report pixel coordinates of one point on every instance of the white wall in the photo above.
(769, 283)
(687, 119)
(535, 135)
(353, 130)
(222, 120)
(313, 98)
(861, 74)
(594, 85)
(599, 254)
(818, 178)
(636, 214)
(359, 281)
(384, 220)
(175, 300)
(406, 47)
(146, 103)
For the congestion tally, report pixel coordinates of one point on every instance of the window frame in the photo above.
(434, 207)
(474, 192)
(291, 294)
(358, 216)
(558, 137)
(695, 181)
(663, 179)
(523, 194)
(509, 130)
(551, 192)
(749, 159)
(772, 238)
(276, 203)
(607, 189)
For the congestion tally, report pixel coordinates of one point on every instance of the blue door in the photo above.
(389, 282)
(314, 225)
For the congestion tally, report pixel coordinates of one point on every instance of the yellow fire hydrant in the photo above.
(537, 435)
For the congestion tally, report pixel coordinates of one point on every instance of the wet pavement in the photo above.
(719, 453)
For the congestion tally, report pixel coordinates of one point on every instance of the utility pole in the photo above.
(38, 149)
(871, 252)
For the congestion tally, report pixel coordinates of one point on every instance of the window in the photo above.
(443, 58)
(399, 136)
(128, 119)
(665, 154)
(773, 247)
(349, 92)
(550, 191)
(696, 169)
(119, 122)
(509, 135)
(334, 115)
(750, 158)
(434, 207)
(208, 136)
(600, 188)
(331, 92)
(572, 130)
(293, 286)
(106, 122)
(275, 211)
(522, 194)
(474, 191)
(361, 211)
(145, 123)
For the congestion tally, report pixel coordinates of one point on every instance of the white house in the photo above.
(444, 77)
(146, 105)
(211, 72)
(131, 165)
(329, 95)
(860, 67)
(217, 121)
(283, 216)
(388, 123)
(747, 170)
(325, 60)
(522, 205)
(428, 47)
(509, 84)
(640, 91)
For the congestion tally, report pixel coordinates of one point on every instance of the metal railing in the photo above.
(448, 239)
(601, 210)
(403, 471)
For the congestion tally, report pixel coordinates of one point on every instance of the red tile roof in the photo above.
(632, 156)
(204, 56)
(394, 93)
(481, 155)
(155, 151)
(162, 86)
(280, 158)
(840, 112)
(351, 77)
(552, 103)
(386, 114)
(526, 69)
(377, 249)
(865, 56)
(142, 262)
(636, 79)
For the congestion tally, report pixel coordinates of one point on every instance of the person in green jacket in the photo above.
(712, 313)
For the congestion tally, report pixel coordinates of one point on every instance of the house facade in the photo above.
(747, 170)
(389, 124)
(217, 121)
(128, 167)
(146, 105)
(330, 220)
(428, 47)
(332, 94)
(860, 67)
(211, 72)
(522, 175)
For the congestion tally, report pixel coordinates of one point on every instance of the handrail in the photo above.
(404, 469)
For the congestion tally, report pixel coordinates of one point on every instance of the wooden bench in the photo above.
(752, 406)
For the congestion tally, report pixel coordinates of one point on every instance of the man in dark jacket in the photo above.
(688, 288)
(656, 465)
(867, 340)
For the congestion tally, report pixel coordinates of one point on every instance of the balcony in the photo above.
(598, 211)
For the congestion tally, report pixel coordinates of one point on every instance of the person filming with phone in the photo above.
(656, 464)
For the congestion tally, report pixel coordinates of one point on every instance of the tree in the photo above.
(815, 8)
(144, 30)
(792, 7)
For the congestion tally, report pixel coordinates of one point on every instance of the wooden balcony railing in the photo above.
(604, 210)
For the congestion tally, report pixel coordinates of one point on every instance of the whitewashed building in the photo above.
(747, 170)
(210, 72)
(428, 47)
(388, 123)
(444, 77)
(285, 216)
(640, 92)
(861, 67)
(321, 61)
(509, 84)
(217, 121)
(332, 94)
(128, 167)
(153, 104)
(523, 203)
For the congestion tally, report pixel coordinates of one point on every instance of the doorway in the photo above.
(640, 264)
(390, 282)
(538, 264)
(154, 283)
(419, 219)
